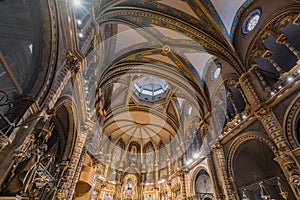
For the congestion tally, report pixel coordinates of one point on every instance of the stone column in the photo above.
(169, 186)
(217, 191)
(119, 184)
(255, 69)
(252, 88)
(222, 165)
(285, 158)
(67, 187)
(142, 185)
(183, 188)
(247, 105)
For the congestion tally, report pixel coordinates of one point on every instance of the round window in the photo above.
(251, 21)
(215, 72)
(189, 110)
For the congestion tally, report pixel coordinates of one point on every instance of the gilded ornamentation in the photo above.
(263, 113)
(290, 124)
(73, 62)
(165, 50)
(274, 26)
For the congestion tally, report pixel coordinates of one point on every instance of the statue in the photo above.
(133, 155)
(130, 190)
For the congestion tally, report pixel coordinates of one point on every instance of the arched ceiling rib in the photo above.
(227, 10)
(209, 37)
(134, 35)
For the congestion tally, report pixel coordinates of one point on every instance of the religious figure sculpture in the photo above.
(130, 190)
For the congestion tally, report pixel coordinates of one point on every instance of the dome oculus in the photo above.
(150, 88)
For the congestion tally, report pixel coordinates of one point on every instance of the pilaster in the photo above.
(285, 158)
(217, 190)
(222, 166)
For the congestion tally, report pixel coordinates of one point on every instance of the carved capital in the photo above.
(204, 127)
(262, 113)
(73, 62)
(281, 39)
(217, 145)
(267, 55)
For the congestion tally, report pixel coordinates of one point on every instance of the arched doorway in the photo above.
(256, 172)
(203, 186)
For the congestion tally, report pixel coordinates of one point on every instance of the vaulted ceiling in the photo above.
(172, 40)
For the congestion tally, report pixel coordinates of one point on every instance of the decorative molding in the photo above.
(50, 47)
(243, 138)
(211, 44)
(290, 123)
(263, 113)
(275, 24)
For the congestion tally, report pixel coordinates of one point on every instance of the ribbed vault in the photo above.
(163, 40)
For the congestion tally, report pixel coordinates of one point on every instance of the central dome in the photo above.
(150, 88)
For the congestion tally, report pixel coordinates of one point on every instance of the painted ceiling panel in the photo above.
(199, 60)
(182, 6)
(161, 58)
(127, 37)
(227, 10)
(175, 35)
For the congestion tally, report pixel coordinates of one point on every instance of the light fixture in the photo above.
(272, 93)
(279, 87)
(244, 197)
(101, 177)
(161, 181)
(289, 79)
(80, 35)
(244, 116)
(26, 125)
(283, 193)
(298, 71)
(30, 47)
(113, 182)
(188, 162)
(77, 2)
(79, 22)
(196, 155)
(263, 192)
